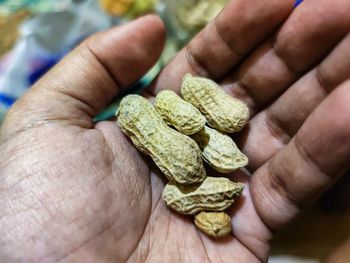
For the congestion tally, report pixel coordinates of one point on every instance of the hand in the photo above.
(74, 191)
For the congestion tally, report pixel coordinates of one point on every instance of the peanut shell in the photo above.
(213, 194)
(176, 155)
(214, 224)
(222, 112)
(186, 118)
(219, 150)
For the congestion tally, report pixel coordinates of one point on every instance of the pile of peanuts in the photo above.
(174, 134)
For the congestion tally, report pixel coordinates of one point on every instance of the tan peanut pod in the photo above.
(176, 155)
(214, 224)
(213, 194)
(222, 112)
(219, 150)
(185, 117)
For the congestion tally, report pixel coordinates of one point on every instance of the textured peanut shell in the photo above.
(222, 112)
(213, 194)
(214, 224)
(186, 118)
(176, 155)
(219, 150)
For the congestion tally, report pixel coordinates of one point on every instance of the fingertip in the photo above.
(154, 20)
(155, 31)
(153, 25)
(130, 50)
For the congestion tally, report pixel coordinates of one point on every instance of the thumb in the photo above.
(87, 79)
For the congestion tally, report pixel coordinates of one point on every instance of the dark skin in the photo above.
(75, 191)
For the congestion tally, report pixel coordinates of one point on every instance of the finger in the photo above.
(274, 127)
(312, 161)
(248, 227)
(311, 31)
(241, 26)
(91, 76)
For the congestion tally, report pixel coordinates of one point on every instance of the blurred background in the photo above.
(36, 34)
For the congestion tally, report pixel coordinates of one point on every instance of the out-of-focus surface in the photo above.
(321, 233)
(35, 34)
(340, 254)
(9, 29)
(33, 43)
(312, 237)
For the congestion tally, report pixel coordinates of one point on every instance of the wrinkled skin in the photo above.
(75, 191)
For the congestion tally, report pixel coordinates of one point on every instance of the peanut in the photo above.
(176, 155)
(222, 112)
(186, 118)
(213, 194)
(214, 224)
(219, 150)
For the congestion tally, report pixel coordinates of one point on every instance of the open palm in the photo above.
(75, 191)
